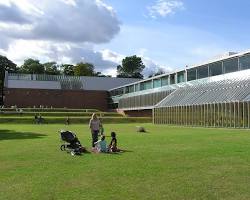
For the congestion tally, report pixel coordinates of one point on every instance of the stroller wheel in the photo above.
(63, 147)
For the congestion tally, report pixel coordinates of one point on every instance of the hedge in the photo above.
(48, 110)
(59, 114)
(75, 120)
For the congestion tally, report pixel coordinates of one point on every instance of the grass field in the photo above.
(165, 163)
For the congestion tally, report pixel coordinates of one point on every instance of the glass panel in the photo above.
(202, 72)
(137, 87)
(215, 68)
(146, 85)
(172, 79)
(126, 90)
(117, 92)
(230, 65)
(164, 80)
(181, 77)
(157, 83)
(191, 74)
(129, 89)
(245, 62)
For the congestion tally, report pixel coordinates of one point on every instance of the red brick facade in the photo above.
(56, 98)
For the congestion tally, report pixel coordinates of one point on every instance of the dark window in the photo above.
(230, 65)
(215, 68)
(202, 72)
(245, 62)
(172, 79)
(180, 77)
(191, 74)
(129, 89)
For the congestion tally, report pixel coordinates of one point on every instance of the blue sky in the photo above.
(198, 31)
(167, 34)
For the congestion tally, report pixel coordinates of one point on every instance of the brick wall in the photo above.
(56, 98)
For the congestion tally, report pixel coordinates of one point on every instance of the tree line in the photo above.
(131, 67)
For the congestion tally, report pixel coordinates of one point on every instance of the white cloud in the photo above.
(61, 53)
(164, 8)
(61, 20)
(153, 67)
(112, 56)
(65, 31)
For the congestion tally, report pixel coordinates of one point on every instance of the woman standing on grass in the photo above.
(94, 125)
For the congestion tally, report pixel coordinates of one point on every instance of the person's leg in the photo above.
(94, 137)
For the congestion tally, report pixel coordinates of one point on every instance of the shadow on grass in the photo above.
(13, 135)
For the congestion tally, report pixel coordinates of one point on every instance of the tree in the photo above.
(84, 69)
(5, 65)
(131, 67)
(31, 66)
(51, 68)
(68, 69)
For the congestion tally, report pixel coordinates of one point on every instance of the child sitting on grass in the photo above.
(113, 143)
(101, 145)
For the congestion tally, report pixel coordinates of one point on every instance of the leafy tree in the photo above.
(31, 66)
(68, 69)
(51, 68)
(7, 64)
(84, 69)
(131, 67)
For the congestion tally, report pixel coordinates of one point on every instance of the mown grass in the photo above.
(165, 163)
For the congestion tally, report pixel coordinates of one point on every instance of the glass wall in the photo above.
(157, 83)
(202, 72)
(137, 87)
(191, 74)
(230, 65)
(229, 115)
(181, 77)
(245, 62)
(164, 80)
(215, 69)
(144, 100)
(117, 92)
(129, 89)
(172, 79)
(146, 85)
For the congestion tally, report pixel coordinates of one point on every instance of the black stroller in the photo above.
(71, 143)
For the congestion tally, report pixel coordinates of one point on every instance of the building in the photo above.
(214, 93)
(35, 90)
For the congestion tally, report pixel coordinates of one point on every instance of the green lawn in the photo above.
(165, 163)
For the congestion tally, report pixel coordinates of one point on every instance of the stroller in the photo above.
(71, 143)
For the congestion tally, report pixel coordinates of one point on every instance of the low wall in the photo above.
(56, 98)
(139, 113)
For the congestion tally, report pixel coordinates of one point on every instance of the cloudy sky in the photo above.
(167, 34)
